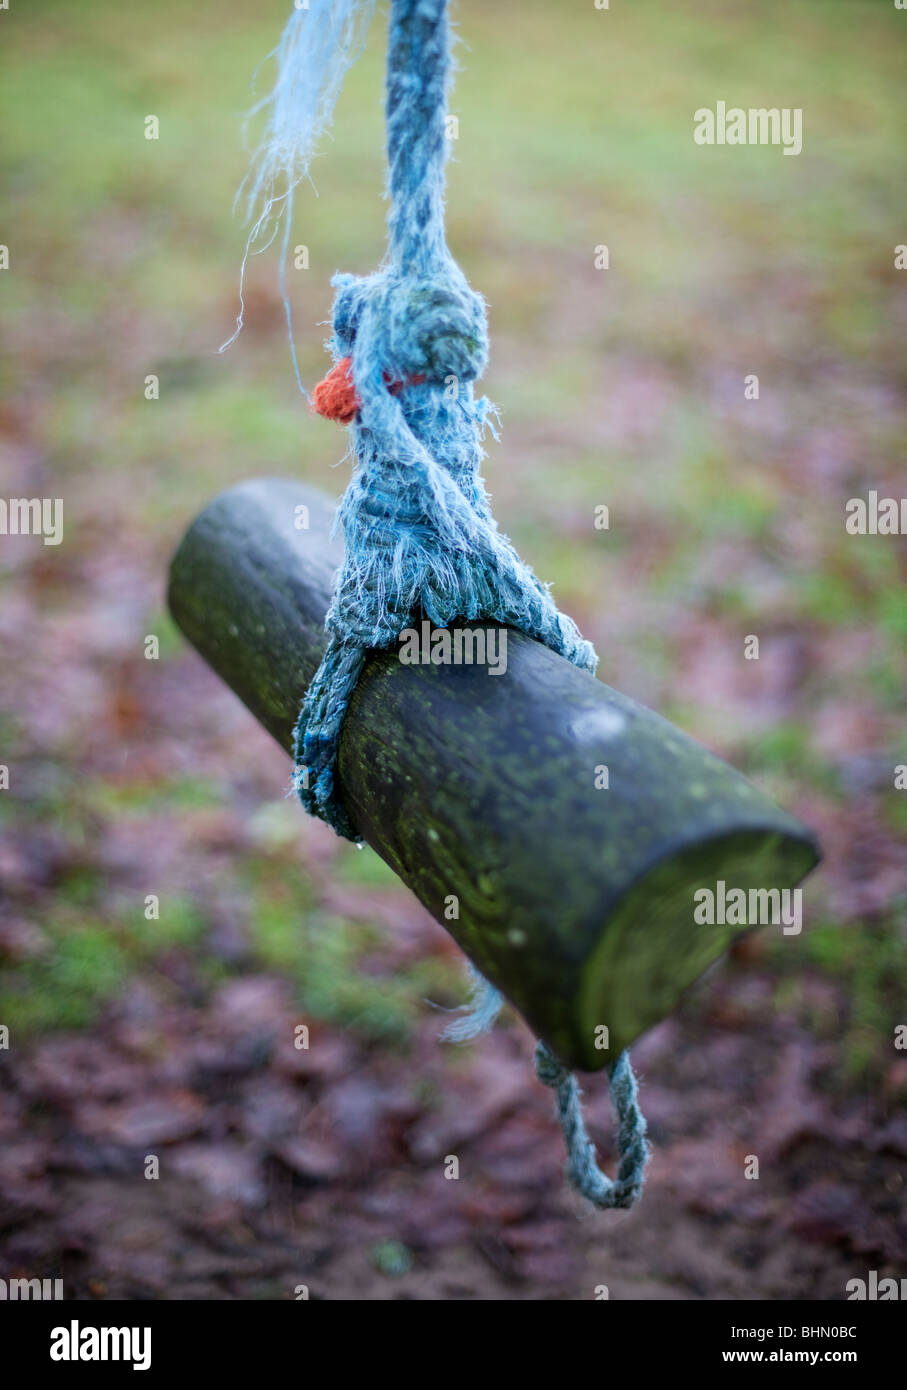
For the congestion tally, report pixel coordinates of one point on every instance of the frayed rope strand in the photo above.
(485, 1003)
(321, 41)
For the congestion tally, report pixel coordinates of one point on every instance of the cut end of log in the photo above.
(652, 948)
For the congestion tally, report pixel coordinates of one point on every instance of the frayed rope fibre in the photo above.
(408, 342)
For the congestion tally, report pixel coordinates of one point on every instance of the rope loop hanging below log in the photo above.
(408, 343)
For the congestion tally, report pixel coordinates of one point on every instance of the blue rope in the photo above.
(583, 1173)
(582, 1170)
(420, 538)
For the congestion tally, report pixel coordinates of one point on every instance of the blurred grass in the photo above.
(868, 962)
(621, 387)
(574, 130)
(92, 942)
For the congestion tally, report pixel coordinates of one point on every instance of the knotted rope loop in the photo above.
(582, 1170)
(583, 1173)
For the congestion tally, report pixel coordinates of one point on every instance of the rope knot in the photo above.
(436, 329)
(432, 327)
(429, 329)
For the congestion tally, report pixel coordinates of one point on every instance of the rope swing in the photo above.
(408, 343)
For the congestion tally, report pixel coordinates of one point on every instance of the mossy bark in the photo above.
(484, 793)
